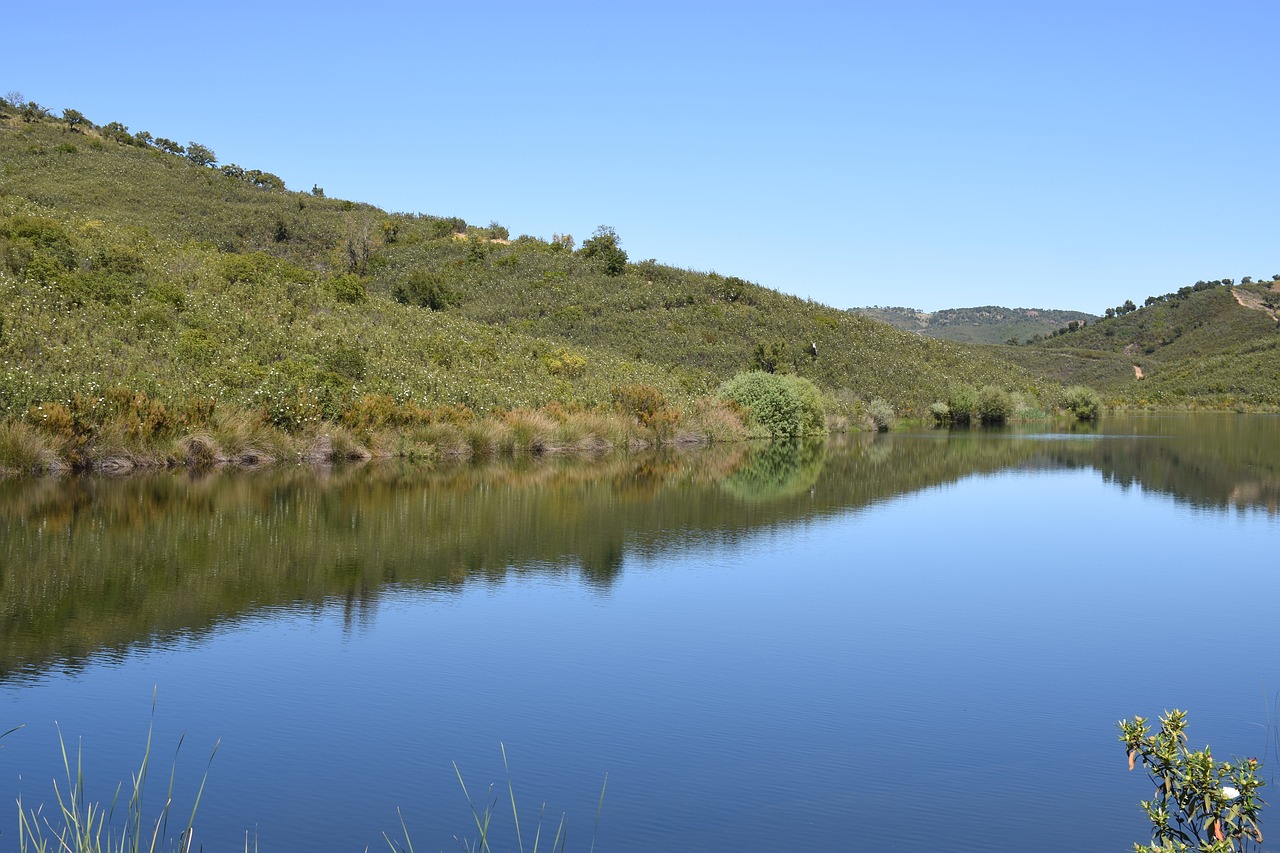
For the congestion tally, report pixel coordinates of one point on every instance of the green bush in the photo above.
(348, 288)
(346, 361)
(941, 413)
(781, 405)
(1082, 402)
(962, 402)
(426, 290)
(995, 405)
(881, 414)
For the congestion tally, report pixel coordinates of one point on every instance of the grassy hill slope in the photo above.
(127, 265)
(141, 281)
(1198, 344)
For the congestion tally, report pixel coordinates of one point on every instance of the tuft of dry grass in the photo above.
(532, 430)
(712, 420)
(247, 441)
(448, 439)
(488, 436)
(334, 443)
(200, 451)
(24, 449)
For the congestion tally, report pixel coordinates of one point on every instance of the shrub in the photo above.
(941, 413)
(643, 402)
(1082, 402)
(995, 405)
(780, 405)
(565, 363)
(348, 288)
(962, 402)
(1199, 804)
(881, 414)
(426, 290)
(260, 268)
(346, 361)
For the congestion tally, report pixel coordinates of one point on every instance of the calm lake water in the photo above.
(898, 642)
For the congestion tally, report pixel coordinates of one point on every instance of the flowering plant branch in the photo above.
(1199, 804)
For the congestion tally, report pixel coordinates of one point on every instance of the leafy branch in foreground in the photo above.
(1199, 804)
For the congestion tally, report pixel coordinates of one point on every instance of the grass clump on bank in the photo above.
(123, 430)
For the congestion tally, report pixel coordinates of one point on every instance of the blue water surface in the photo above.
(941, 668)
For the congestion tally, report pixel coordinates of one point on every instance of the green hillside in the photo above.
(149, 292)
(1212, 343)
(127, 263)
(985, 324)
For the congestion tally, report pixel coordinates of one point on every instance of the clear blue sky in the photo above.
(929, 154)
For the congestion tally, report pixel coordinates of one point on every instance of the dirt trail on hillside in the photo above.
(1254, 301)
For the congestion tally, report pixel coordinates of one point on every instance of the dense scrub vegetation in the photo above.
(1209, 344)
(150, 297)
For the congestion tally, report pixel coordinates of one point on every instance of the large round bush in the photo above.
(777, 404)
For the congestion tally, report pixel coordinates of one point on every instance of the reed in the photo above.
(482, 817)
(80, 825)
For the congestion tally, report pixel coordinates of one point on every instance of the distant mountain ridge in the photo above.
(984, 324)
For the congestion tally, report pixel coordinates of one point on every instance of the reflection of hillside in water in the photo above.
(88, 564)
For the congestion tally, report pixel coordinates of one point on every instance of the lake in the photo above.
(907, 641)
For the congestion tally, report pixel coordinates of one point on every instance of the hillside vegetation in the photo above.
(1209, 344)
(985, 324)
(150, 294)
(132, 265)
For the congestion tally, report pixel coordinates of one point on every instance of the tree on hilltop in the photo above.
(200, 155)
(604, 245)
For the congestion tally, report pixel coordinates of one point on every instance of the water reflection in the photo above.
(89, 565)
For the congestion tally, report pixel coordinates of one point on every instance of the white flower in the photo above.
(1229, 792)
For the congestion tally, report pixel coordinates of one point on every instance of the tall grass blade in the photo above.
(408, 842)
(599, 808)
(515, 813)
(481, 826)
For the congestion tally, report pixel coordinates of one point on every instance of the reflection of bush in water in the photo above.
(779, 469)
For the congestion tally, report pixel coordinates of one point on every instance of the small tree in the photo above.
(1199, 804)
(75, 119)
(169, 146)
(200, 155)
(604, 246)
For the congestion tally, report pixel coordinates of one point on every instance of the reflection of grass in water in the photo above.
(782, 468)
